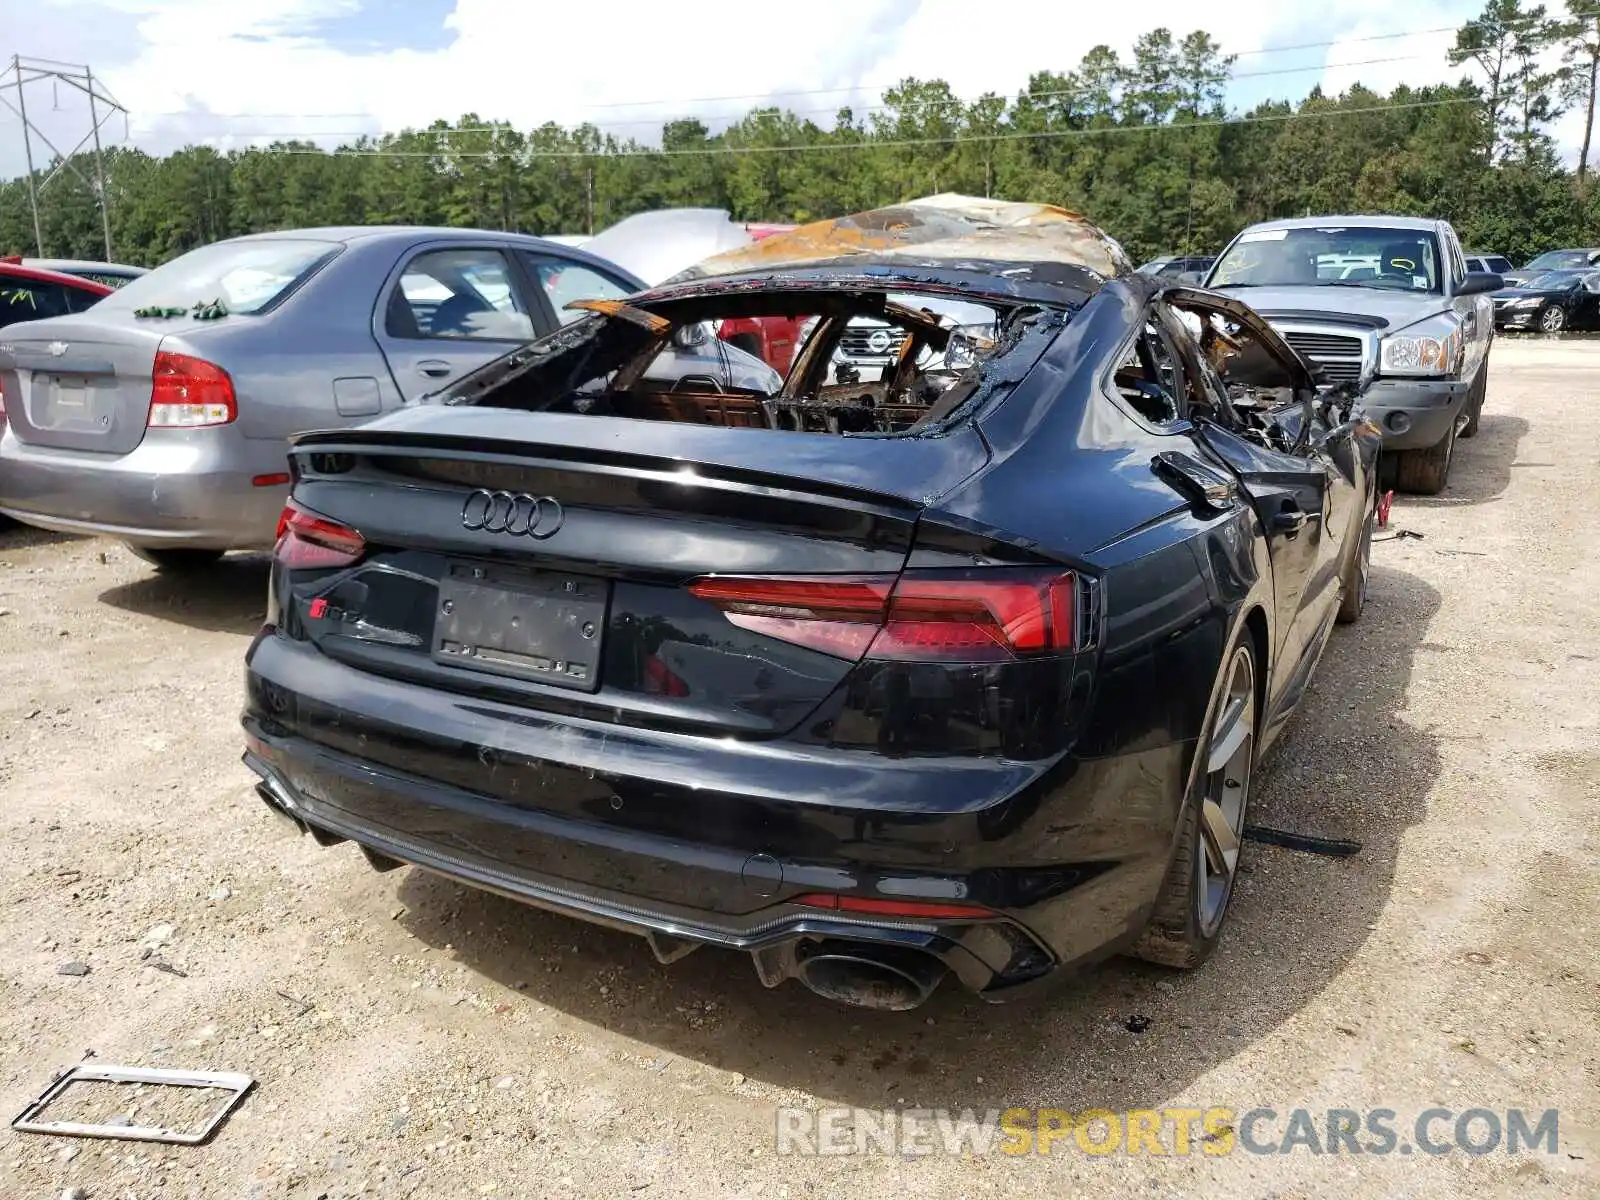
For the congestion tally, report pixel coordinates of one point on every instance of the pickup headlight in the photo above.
(1431, 347)
(968, 343)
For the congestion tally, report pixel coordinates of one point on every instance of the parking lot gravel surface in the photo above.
(413, 1038)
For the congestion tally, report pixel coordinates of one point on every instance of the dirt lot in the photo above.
(414, 1038)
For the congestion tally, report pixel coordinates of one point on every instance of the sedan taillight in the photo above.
(190, 393)
(979, 615)
(308, 541)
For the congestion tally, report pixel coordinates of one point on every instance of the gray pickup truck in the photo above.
(1385, 297)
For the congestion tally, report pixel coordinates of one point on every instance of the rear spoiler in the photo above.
(894, 474)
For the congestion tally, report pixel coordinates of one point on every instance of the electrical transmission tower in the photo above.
(16, 77)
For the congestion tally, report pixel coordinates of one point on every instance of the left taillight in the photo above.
(309, 541)
(979, 615)
(190, 393)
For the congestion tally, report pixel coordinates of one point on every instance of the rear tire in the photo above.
(1424, 472)
(1192, 909)
(177, 560)
(1353, 579)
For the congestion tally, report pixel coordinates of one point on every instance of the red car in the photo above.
(774, 340)
(29, 294)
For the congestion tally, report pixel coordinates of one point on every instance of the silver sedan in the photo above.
(162, 416)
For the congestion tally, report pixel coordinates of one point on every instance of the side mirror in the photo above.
(1479, 282)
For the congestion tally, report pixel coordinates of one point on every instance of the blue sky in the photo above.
(228, 73)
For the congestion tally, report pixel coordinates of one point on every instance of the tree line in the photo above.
(1143, 144)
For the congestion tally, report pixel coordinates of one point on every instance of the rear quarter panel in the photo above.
(284, 363)
(1070, 477)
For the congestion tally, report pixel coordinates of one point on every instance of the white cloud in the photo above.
(1366, 54)
(232, 73)
(532, 63)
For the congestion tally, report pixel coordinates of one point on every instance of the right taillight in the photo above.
(307, 541)
(979, 615)
(190, 393)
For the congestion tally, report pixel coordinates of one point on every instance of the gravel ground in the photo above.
(414, 1038)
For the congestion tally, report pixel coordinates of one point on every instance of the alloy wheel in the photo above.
(1364, 563)
(1552, 319)
(1229, 763)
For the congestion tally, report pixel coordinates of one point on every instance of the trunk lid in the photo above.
(542, 559)
(79, 382)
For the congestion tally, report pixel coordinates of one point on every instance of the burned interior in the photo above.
(655, 358)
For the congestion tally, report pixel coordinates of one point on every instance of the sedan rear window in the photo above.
(247, 277)
(865, 363)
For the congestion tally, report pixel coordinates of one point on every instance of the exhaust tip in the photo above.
(886, 978)
(270, 799)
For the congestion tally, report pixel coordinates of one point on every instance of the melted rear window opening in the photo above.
(829, 362)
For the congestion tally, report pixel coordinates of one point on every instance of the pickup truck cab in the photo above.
(1389, 298)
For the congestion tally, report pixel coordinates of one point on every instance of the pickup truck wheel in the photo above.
(1480, 391)
(1553, 319)
(1424, 472)
(176, 560)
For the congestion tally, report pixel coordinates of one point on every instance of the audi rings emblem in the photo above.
(514, 513)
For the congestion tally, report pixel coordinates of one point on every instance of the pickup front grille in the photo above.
(857, 342)
(1339, 355)
(1325, 345)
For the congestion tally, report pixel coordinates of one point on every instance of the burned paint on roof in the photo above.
(950, 231)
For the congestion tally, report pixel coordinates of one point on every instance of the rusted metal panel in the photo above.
(948, 228)
(626, 312)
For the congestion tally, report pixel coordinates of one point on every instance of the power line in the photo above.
(896, 143)
(871, 108)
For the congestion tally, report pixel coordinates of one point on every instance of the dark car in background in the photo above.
(113, 275)
(964, 671)
(1554, 260)
(1184, 268)
(33, 293)
(1489, 264)
(1550, 303)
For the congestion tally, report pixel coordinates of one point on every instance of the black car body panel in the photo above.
(1574, 296)
(705, 780)
(1575, 259)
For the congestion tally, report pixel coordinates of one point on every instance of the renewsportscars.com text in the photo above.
(1166, 1131)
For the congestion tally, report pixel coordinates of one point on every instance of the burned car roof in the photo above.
(951, 239)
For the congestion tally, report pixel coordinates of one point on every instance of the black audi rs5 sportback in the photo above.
(964, 670)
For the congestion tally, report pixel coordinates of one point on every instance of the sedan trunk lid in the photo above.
(79, 382)
(571, 593)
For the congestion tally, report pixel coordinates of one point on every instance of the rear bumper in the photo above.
(189, 488)
(683, 840)
(1415, 413)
